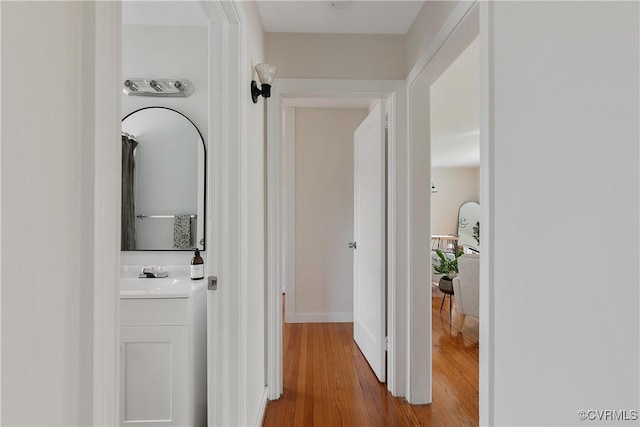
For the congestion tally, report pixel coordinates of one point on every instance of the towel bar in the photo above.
(162, 216)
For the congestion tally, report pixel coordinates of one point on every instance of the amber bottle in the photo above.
(197, 266)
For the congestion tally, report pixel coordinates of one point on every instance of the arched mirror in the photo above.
(469, 226)
(163, 181)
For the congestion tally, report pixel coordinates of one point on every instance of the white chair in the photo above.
(466, 287)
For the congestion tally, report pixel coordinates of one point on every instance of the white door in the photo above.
(369, 269)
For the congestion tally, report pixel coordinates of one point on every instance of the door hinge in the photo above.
(386, 121)
(386, 343)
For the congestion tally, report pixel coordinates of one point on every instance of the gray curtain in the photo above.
(128, 233)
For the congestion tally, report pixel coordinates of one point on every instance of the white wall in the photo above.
(564, 155)
(167, 51)
(455, 186)
(323, 286)
(337, 56)
(253, 229)
(47, 213)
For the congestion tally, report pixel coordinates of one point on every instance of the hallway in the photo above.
(327, 382)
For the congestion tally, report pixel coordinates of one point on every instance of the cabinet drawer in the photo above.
(148, 312)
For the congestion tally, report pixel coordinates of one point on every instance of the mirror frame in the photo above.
(201, 246)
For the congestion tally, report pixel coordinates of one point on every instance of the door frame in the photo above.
(227, 64)
(106, 203)
(464, 24)
(229, 73)
(280, 251)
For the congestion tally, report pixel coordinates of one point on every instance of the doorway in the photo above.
(455, 163)
(318, 204)
(324, 212)
(452, 41)
(286, 93)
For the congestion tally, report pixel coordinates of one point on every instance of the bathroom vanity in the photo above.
(163, 349)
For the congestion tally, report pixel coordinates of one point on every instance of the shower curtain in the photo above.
(128, 233)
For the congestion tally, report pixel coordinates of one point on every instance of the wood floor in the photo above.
(327, 381)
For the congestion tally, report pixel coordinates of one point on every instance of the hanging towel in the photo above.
(182, 232)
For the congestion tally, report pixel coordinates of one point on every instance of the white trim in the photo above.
(238, 318)
(224, 362)
(419, 292)
(1, 232)
(106, 255)
(215, 390)
(274, 295)
(456, 17)
(288, 184)
(487, 205)
(262, 409)
(320, 318)
(395, 91)
(460, 28)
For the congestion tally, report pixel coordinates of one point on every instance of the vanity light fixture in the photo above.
(156, 86)
(128, 84)
(266, 73)
(170, 88)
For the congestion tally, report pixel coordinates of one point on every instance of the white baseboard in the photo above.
(318, 317)
(261, 409)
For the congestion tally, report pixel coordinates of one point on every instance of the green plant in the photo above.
(476, 232)
(447, 265)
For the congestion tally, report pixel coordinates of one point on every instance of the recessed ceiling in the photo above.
(162, 13)
(338, 17)
(455, 112)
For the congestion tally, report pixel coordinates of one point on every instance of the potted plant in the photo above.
(447, 266)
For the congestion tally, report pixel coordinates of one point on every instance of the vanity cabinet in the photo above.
(154, 369)
(163, 359)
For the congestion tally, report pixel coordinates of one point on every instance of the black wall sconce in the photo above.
(266, 73)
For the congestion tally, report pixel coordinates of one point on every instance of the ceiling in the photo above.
(338, 16)
(454, 96)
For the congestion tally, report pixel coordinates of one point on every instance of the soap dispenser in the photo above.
(197, 266)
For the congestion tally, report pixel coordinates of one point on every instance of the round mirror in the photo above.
(163, 181)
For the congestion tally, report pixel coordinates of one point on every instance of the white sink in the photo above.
(177, 285)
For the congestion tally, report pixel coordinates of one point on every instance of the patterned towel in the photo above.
(182, 232)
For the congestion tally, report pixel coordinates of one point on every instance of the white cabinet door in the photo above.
(154, 376)
(369, 261)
